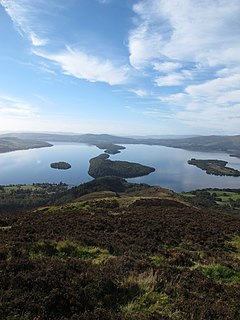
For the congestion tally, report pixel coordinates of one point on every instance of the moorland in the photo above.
(109, 249)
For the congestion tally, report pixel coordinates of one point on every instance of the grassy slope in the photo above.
(144, 254)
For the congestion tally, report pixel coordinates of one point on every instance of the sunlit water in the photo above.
(172, 169)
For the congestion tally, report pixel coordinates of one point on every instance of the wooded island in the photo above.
(215, 167)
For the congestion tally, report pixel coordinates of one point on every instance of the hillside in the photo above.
(8, 144)
(116, 250)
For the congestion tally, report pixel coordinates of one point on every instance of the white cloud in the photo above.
(166, 67)
(80, 65)
(104, 1)
(202, 31)
(194, 45)
(23, 14)
(224, 119)
(36, 41)
(173, 98)
(173, 79)
(16, 107)
(140, 92)
(213, 89)
(213, 104)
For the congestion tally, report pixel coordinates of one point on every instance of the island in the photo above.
(8, 144)
(60, 165)
(110, 147)
(215, 167)
(101, 166)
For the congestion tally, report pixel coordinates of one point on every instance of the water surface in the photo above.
(172, 169)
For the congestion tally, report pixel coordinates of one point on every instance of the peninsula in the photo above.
(215, 167)
(60, 165)
(110, 148)
(101, 166)
(8, 144)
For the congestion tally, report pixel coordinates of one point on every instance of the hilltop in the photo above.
(109, 249)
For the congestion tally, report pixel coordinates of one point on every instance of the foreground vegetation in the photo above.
(215, 167)
(114, 250)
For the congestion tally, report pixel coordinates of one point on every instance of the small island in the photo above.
(60, 165)
(215, 167)
(110, 148)
(101, 166)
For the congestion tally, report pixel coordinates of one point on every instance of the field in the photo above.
(224, 200)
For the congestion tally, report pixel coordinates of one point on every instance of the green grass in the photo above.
(66, 207)
(19, 187)
(188, 195)
(148, 299)
(68, 249)
(234, 247)
(158, 261)
(226, 196)
(221, 274)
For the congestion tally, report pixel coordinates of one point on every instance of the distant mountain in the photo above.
(170, 136)
(229, 144)
(205, 143)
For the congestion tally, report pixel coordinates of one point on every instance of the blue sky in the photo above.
(144, 67)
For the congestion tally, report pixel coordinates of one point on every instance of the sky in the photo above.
(126, 67)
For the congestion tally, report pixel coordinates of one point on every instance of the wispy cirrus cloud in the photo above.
(28, 17)
(83, 66)
(212, 104)
(24, 16)
(140, 92)
(12, 106)
(104, 1)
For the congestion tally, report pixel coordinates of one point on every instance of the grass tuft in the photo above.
(221, 274)
(68, 249)
(234, 246)
(148, 298)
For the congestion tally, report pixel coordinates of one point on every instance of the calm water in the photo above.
(172, 170)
